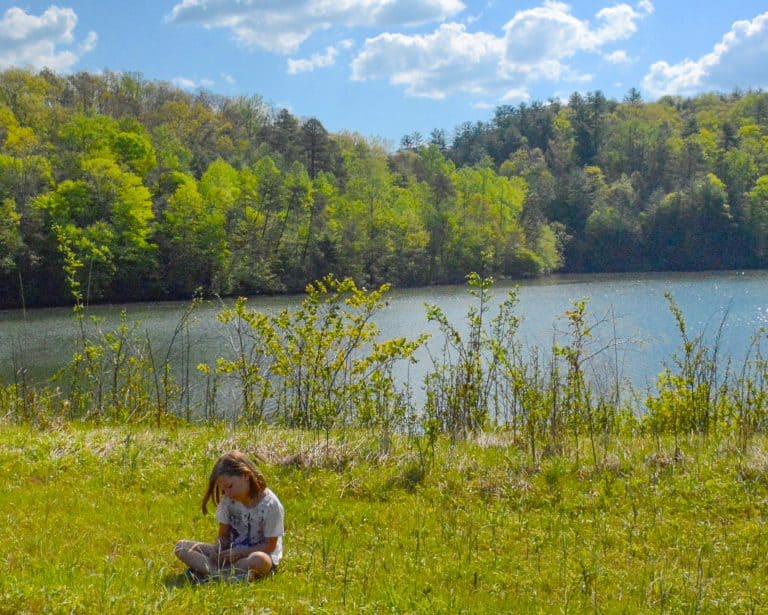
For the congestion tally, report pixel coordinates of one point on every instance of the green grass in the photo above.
(89, 515)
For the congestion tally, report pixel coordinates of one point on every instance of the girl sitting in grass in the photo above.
(250, 524)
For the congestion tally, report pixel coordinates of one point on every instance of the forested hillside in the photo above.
(679, 184)
(139, 190)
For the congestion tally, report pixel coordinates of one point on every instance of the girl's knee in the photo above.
(186, 546)
(258, 564)
(181, 546)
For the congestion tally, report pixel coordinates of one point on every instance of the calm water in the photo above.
(632, 304)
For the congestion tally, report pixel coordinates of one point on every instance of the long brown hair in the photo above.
(233, 463)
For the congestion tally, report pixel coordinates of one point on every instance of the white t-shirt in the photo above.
(251, 525)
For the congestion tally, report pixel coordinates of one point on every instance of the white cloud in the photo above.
(281, 27)
(535, 44)
(619, 22)
(448, 61)
(738, 60)
(46, 41)
(228, 79)
(516, 95)
(617, 57)
(646, 6)
(539, 40)
(89, 44)
(317, 60)
(192, 84)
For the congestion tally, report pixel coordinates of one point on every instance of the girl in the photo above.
(250, 523)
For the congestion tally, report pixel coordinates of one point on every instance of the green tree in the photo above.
(316, 262)
(135, 151)
(531, 166)
(10, 237)
(106, 219)
(255, 225)
(193, 243)
(289, 243)
(613, 239)
(757, 222)
(320, 151)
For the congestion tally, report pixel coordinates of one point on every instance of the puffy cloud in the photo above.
(737, 60)
(281, 27)
(317, 60)
(191, 84)
(45, 41)
(539, 40)
(646, 6)
(448, 61)
(516, 95)
(535, 44)
(618, 22)
(89, 44)
(617, 57)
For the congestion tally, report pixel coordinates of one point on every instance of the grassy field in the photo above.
(90, 515)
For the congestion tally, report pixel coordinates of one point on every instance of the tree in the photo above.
(220, 186)
(442, 193)
(531, 166)
(15, 139)
(135, 151)
(486, 221)
(560, 148)
(613, 239)
(171, 154)
(412, 141)
(10, 237)
(469, 143)
(284, 137)
(693, 230)
(256, 227)
(298, 200)
(316, 263)
(368, 194)
(633, 97)
(588, 118)
(319, 150)
(757, 216)
(246, 117)
(193, 243)
(27, 97)
(105, 220)
(438, 139)
(85, 137)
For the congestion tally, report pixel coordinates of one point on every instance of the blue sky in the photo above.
(385, 68)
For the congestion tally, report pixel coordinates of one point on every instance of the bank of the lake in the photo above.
(93, 512)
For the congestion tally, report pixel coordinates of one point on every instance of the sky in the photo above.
(386, 68)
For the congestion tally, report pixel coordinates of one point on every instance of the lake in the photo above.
(632, 309)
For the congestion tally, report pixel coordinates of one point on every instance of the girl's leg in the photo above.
(256, 565)
(201, 557)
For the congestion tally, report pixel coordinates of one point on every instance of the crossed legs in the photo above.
(205, 559)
